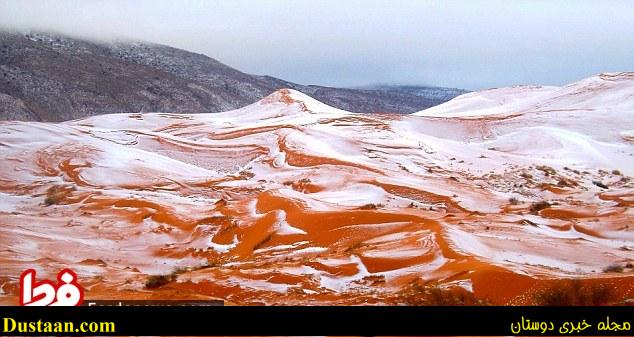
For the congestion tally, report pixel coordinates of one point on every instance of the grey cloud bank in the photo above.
(467, 44)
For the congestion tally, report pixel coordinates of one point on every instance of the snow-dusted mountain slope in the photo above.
(49, 77)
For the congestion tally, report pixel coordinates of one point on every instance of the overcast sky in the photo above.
(467, 44)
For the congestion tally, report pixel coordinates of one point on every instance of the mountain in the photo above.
(47, 77)
(499, 197)
(439, 94)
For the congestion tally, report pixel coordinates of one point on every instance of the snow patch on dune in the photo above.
(557, 146)
(489, 102)
(283, 227)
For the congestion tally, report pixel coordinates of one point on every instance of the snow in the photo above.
(220, 248)
(499, 101)
(342, 283)
(124, 165)
(557, 145)
(280, 248)
(10, 203)
(442, 174)
(353, 195)
(283, 106)
(607, 90)
(283, 227)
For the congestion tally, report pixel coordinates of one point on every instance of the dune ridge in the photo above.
(491, 197)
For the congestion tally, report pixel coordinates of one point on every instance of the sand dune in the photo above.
(488, 198)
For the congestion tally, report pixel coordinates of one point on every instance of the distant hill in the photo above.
(47, 77)
(428, 92)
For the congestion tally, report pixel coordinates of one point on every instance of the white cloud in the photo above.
(470, 44)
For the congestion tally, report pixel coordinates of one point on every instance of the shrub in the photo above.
(56, 194)
(156, 281)
(538, 206)
(565, 182)
(514, 201)
(434, 295)
(574, 293)
(371, 206)
(613, 268)
(548, 171)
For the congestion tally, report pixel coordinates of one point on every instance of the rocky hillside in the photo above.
(434, 93)
(46, 77)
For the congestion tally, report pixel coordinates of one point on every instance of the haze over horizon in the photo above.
(471, 45)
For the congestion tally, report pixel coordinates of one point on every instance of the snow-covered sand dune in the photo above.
(289, 200)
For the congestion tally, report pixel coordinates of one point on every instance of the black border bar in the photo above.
(314, 320)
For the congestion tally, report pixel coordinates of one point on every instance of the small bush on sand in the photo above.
(156, 281)
(565, 182)
(56, 194)
(538, 206)
(574, 292)
(600, 184)
(371, 206)
(548, 171)
(514, 201)
(613, 268)
(434, 295)
(526, 175)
